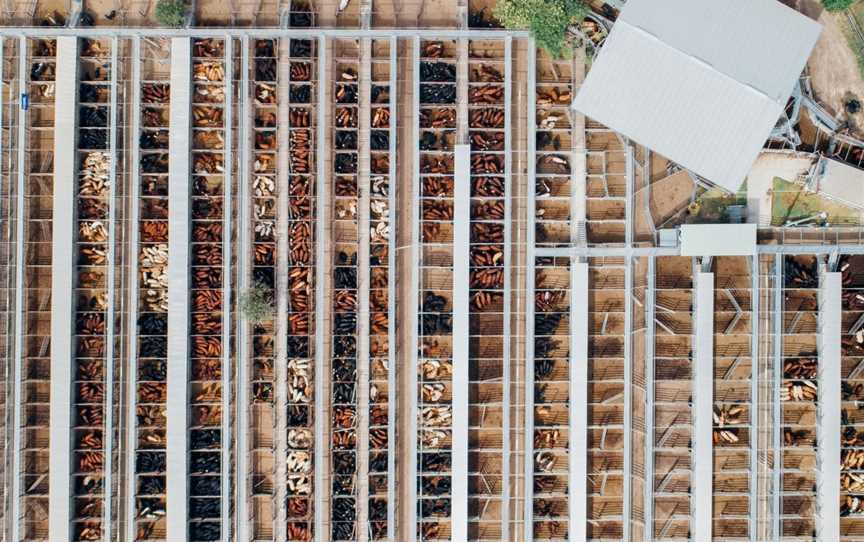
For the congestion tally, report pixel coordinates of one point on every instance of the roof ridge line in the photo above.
(698, 60)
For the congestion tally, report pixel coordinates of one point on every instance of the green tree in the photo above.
(256, 304)
(837, 5)
(553, 23)
(170, 12)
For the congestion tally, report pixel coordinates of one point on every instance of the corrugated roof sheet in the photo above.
(699, 81)
(842, 182)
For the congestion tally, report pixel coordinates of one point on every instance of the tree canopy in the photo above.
(256, 304)
(837, 5)
(547, 20)
(170, 12)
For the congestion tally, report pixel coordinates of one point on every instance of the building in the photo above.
(700, 82)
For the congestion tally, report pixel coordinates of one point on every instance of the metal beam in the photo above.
(20, 264)
(703, 409)
(776, 489)
(829, 413)
(414, 346)
(321, 490)
(282, 256)
(7, 226)
(243, 520)
(227, 264)
(461, 341)
(650, 330)
(132, 279)
(754, 397)
(363, 285)
(391, 295)
(628, 398)
(111, 327)
(178, 290)
(508, 266)
(623, 251)
(269, 32)
(528, 461)
(63, 287)
(577, 455)
(630, 180)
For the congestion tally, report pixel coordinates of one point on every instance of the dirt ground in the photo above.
(45, 8)
(385, 13)
(834, 72)
(670, 195)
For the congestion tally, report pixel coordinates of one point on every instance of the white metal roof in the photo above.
(699, 81)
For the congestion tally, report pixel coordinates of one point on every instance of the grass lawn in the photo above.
(789, 201)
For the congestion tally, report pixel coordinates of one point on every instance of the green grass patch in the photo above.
(712, 206)
(790, 202)
(853, 37)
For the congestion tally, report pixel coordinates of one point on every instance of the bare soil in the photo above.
(45, 8)
(834, 72)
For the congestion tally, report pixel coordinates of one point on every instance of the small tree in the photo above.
(553, 23)
(170, 12)
(837, 5)
(256, 304)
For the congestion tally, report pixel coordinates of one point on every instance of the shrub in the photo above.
(170, 12)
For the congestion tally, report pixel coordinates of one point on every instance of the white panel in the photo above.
(178, 288)
(578, 456)
(62, 286)
(461, 234)
(703, 399)
(828, 426)
(718, 239)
